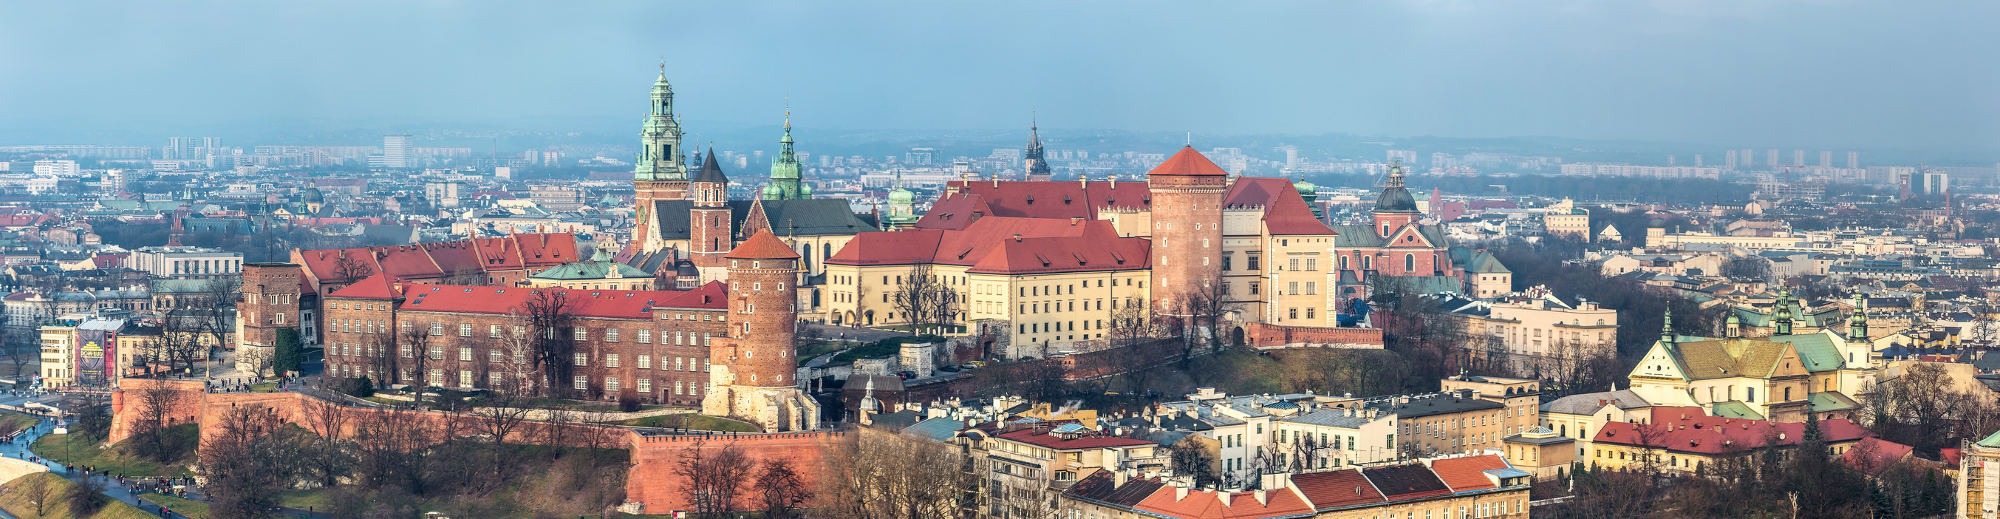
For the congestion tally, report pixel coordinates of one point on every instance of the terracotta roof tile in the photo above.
(762, 245)
(1188, 163)
(1339, 488)
(1467, 473)
(1208, 504)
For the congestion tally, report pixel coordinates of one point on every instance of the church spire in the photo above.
(1035, 159)
(786, 173)
(660, 154)
(1667, 327)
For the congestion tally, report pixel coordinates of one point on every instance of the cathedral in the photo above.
(686, 218)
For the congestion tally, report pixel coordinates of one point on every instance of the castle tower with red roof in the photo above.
(754, 371)
(1187, 193)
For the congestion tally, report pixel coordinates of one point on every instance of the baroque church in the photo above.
(687, 221)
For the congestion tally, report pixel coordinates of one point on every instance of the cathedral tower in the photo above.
(710, 233)
(786, 180)
(661, 170)
(1187, 229)
(1036, 161)
(753, 371)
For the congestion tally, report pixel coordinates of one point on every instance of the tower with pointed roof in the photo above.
(753, 371)
(1857, 326)
(710, 231)
(787, 181)
(1035, 161)
(1187, 192)
(1784, 315)
(660, 172)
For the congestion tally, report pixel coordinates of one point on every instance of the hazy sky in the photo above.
(1822, 73)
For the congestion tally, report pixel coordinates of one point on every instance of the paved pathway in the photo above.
(18, 449)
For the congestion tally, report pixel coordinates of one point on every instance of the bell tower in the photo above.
(1187, 192)
(710, 234)
(661, 167)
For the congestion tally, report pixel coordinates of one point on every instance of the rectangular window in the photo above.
(645, 362)
(464, 329)
(437, 353)
(645, 386)
(645, 337)
(437, 377)
(1312, 287)
(1252, 264)
(582, 334)
(1312, 263)
(611, 384)
(581, 359)
(611, 335)
(1292, 288)
(582, 382)
(464, 354)
(495, 356)
(437, 328)
(1254, 287)
(611, 360)
(493, 331)
(465, 379)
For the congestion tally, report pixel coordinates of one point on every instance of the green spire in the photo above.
(1857, 326)
(1667, 327)
(660, 154)
(1784, 320)
(785, 170)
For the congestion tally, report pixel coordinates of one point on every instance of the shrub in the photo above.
(628, 400)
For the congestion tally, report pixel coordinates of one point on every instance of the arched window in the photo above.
(1409, 263)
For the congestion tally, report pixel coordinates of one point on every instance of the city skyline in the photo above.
(1794, 74)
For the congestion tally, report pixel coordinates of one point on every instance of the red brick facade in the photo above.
(1187, 192)
(763, 305)
(269, 302)
(1264, 335)
(657, 345)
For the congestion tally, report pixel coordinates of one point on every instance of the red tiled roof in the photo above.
(1098, 249)
(1187, 163)
(436, 260)
(1688, 429)
(904, 247)
(109, 260)
(1871, 455)
(1285, 212)
(1209, 504)
(991, 245)
(612, 304)
(966, 201)
(378, 286)
(1339, 488)
(1467, 473)
(762, 245)
(1043, 439)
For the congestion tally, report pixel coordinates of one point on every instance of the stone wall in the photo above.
(1268, 336)
(652, 482)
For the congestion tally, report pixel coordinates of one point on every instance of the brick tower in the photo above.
(269, 303)
(661, 173)
(754, 370)
(1187, 228)
(710, 236)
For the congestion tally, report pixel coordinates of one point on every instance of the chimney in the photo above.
(1180, 492)
(1114, 181)
(1083, 181)
(1263, 498)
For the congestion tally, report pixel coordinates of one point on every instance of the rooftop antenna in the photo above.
(1190, 138)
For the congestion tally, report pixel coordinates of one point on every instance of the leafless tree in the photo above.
(415, 350)
(257, 359)
(499, 420)
(179, 344)
(248, 461)
(925, 301)
(885, 475)
(39, 492)
(327, 456)
(158, 403)
(1305, 452)
(387, 360)
(712, 476)
(1128, 324)
(780, 489)
(215, 309)
(551, 316)
(392, 448)
(349, 268)
(1191, 458)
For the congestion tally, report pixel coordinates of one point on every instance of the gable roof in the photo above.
(1687, 429)
(1209, 504)
(611, 304)
(966, 201)
(1469, 472)
(1336, 489)
(1398, 482)
(1725, 358)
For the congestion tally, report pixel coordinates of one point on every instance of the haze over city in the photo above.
(1850, 74)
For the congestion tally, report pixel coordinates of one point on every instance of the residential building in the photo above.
(1687, 441)
(185, 262)
(1445, 422)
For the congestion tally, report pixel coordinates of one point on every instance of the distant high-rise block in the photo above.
(1771, 157)
(1826, 158)
(397, 152)
(1729, 160)
(1853, 159)
(1798, 157)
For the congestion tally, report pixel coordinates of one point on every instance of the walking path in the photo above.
(121, 491)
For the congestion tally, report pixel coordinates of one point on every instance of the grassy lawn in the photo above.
(14, 497)
(264, 387)
(11, 421)
(71, 450)
(694, 421)
(319, 499)
(187, 507)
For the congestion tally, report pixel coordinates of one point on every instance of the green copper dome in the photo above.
(1306, 188)
(773, 191)
(902, 195)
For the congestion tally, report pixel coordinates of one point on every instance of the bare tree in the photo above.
(780, 489)
(499, 420)
(1192, 459)
(248, 462)
(1128, 324)
(349, 268)
(215, 309)
(1305, 451)
(257, 359)
(391, 449)
(39, 492)
(327, 457)
(551, 316)
(925, 301)
(885, 475)
(415, 350)
(712, 476)
(179, 344)
(158, 403)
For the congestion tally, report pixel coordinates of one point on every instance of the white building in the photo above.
(398, 152)
(185, 262)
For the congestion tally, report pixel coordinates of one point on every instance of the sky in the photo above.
(1778, 73)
